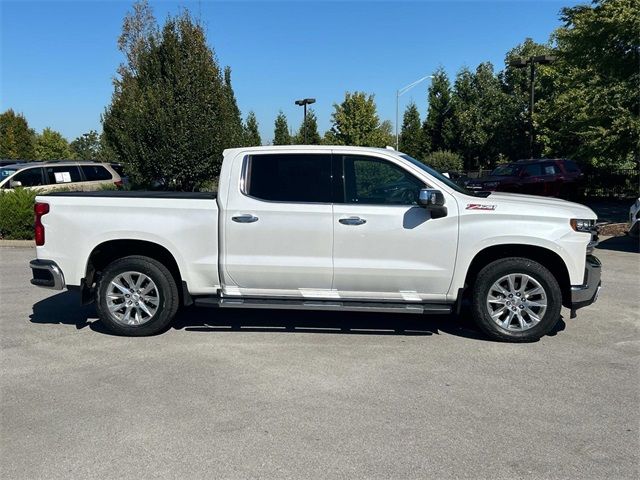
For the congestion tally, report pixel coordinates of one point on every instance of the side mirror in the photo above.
(15, 183)
(432, 200)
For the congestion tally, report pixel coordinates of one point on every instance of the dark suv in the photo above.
(549, 177)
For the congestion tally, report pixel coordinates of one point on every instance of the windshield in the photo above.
(439, 176)
(505, 171)
(7, 172)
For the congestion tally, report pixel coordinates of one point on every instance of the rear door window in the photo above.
(549, 169)
(292, 178)
(532, 170)
(94, 173)
(571, 167)
(63, 174)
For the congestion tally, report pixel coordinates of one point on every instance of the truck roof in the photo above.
(309, 148)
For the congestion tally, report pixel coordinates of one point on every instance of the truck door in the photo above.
(385, 246)
(278, 226)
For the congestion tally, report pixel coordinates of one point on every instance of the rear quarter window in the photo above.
(571, 166)
(95, 173)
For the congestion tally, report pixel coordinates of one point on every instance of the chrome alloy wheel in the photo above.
(132, 298)
(517, 302)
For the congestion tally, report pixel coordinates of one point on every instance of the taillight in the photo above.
(39, 209)
(118, 183)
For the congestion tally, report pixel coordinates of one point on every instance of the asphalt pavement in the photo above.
(305, 395)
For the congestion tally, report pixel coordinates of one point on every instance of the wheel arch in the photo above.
(546, 257)
(110, 250)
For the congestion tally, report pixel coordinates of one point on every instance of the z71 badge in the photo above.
(479, 206)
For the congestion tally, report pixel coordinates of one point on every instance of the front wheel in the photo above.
(516, 299)
(137, 296)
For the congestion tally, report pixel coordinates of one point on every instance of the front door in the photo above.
(385, 246)
(278, 227)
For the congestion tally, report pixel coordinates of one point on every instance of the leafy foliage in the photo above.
(356, 122)
(437, 126)
(311, 125)
(16, 214)
(51, 145)
(411, 132)
(444, 161)
(171, 109)
(281, 134)
(17, 140)
(251, 131)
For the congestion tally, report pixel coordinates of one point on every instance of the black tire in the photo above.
(169, 299)
(516, 265)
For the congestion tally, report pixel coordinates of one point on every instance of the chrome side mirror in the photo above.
(432, 200)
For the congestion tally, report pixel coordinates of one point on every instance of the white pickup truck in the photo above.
(322, 227)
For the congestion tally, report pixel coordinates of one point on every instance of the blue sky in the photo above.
(58, 58)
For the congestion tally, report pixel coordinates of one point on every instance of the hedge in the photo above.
(16, 214)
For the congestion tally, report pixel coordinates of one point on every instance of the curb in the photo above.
(17, 243)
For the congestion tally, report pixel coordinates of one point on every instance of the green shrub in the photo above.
(444, 161)
(16, 214)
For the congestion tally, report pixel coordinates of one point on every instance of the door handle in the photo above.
(352, 221)
(246, 218)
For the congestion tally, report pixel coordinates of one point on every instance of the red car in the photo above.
(548, 177)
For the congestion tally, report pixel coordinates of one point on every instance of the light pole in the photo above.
(531, 62)
(303, 103)
(399, 93)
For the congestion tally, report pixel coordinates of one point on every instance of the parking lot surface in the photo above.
(283, 394)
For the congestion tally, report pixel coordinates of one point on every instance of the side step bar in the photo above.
(350, 306)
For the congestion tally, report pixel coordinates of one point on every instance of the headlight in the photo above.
(582, 225)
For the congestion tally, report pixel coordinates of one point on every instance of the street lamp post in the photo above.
(303, 103)
(399, 93)
(531, 63)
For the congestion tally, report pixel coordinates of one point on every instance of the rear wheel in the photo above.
(516, 299)
(137, 296)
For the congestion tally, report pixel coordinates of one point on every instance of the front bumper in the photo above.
(587, 293)
(46, 274)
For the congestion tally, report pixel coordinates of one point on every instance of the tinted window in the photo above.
(549, 169)
(505, 171)
(118, 168)
(571, 166)
(29, 177)
(532, 170)
(63, 174)
(291, 178)
(95, 172)
(375, 181)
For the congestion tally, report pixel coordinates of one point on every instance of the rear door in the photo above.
(95, 176)
(62, 176)
(385, 246)
(278, 228)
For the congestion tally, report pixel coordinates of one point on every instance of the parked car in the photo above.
(317, 227)
(634, 218)
(548, 177)
(47, 176)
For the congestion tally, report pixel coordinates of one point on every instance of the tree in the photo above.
(411, 133)
(251, 132)
(233, 128)
(311, 125)
(170, 110)
(355, 122)
(17, 140)
(594, 114)
(444, 161)
(477, 110)
(87, 146)
(281, 134)
(436, 129)
(51, 145)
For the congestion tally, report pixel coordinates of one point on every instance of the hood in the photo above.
(489, 178)
(554, 206)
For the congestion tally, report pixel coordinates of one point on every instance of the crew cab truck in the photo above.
(320, 227)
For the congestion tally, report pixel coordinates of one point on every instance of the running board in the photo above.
(350, 306)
